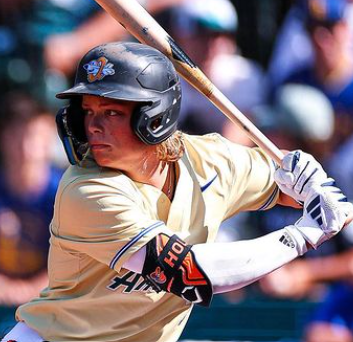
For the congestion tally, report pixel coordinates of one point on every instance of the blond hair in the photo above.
(171, 149)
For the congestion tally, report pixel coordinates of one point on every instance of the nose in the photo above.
(93, 124)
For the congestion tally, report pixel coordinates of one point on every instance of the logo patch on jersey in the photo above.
(129, 282)
(158, 276)
(97, 69)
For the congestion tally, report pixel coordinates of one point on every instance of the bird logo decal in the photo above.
(97, 69)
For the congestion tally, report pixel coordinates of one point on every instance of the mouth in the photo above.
(98, 147)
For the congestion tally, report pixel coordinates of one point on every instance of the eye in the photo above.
(111, 112)
(87, 112)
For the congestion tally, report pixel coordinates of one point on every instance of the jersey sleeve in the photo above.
(103, 222)
(252, 183)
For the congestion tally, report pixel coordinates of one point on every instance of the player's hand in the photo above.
(298, 173)
(326, 212)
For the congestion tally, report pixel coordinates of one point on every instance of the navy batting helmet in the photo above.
(128, 72)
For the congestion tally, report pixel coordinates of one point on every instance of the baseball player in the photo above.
(137, 212)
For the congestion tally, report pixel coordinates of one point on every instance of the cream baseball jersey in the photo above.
(101, 217)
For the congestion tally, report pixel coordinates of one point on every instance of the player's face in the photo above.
(111, 139)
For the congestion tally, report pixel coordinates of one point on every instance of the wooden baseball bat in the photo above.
(131, 15)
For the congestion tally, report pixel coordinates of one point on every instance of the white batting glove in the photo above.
(325, 214)
(298, 173)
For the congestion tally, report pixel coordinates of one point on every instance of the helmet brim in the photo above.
(123, 93)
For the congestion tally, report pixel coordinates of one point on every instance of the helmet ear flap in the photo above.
(156, 121)
(71, 134)
(141, 122)
(151, 125)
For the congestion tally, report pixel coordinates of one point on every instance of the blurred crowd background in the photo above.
(286, 64)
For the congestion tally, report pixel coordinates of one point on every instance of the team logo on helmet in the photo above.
(97, 69)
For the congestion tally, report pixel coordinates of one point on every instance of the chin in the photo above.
(102, 160)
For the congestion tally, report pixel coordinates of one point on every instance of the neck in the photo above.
(156, 173)
(150, 171)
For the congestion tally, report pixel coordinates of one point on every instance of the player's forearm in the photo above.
(231, 266)
(195, 272)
